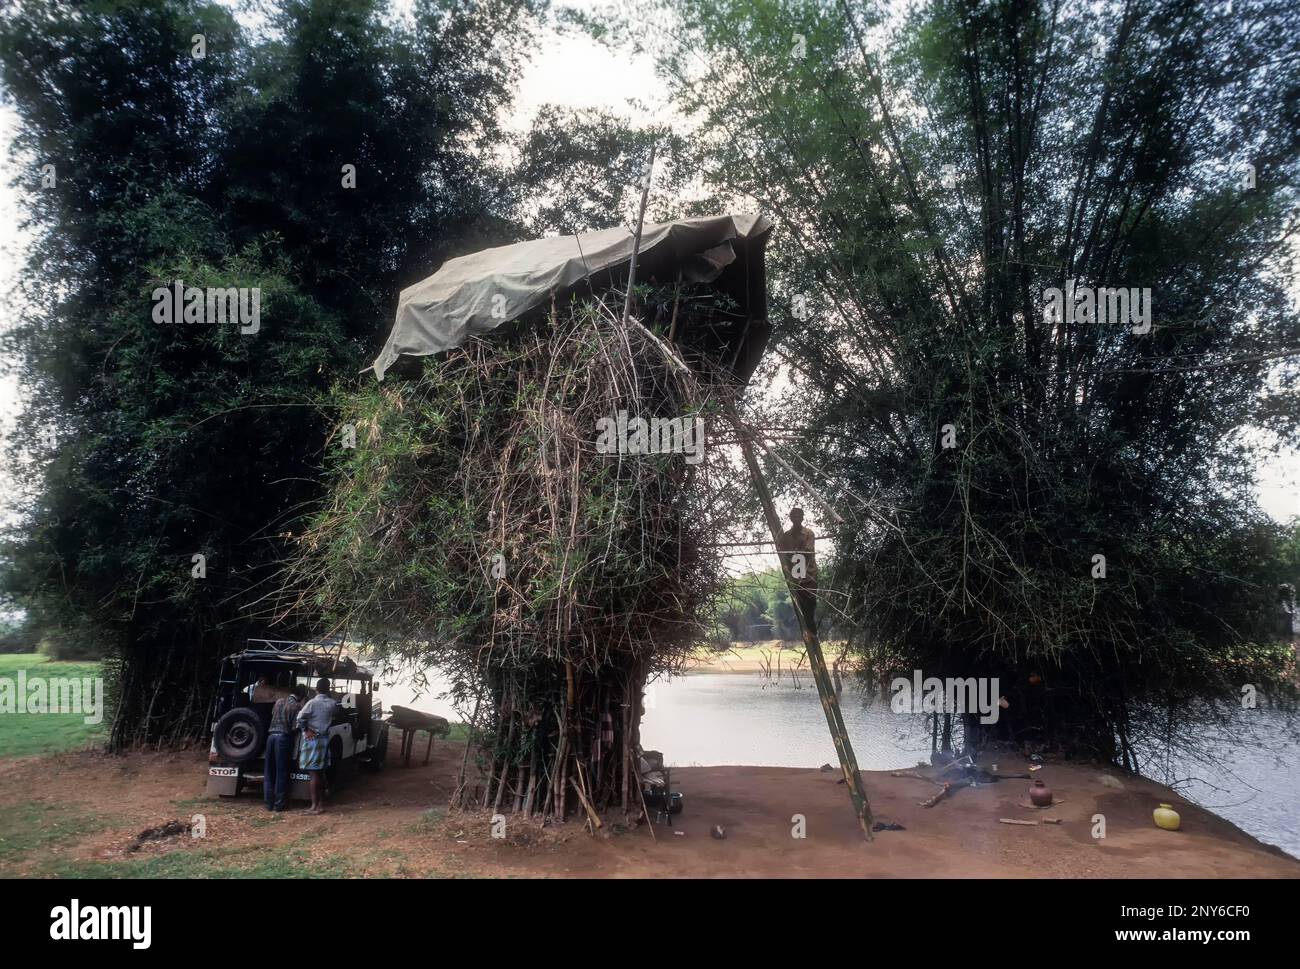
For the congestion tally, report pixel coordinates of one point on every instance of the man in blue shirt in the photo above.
(314, 720)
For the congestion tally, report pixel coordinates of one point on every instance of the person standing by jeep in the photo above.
(314, 720)
(279, 748)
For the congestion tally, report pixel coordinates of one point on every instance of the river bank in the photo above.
(770, 657)
(728, 712)
(734, 708)
(78, 814)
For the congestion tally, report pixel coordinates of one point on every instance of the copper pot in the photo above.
(1040, 795)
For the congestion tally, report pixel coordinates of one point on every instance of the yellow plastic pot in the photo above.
(1166, 817)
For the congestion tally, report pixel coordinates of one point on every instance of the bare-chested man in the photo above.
(798, 547)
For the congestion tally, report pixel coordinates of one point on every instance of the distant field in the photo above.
(772, 654)
(28, 734)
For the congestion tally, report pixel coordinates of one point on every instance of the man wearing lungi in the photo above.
(314, 721)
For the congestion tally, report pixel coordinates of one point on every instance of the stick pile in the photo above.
(475, 527)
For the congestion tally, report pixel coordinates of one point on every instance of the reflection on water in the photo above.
(1256, 786)
(709, 719)
(714, 719)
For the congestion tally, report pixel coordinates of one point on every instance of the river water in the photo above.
(710, 719)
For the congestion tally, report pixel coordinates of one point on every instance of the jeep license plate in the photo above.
(223, 771)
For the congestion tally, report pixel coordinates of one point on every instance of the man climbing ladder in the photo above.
(804, 595)
(798, 546)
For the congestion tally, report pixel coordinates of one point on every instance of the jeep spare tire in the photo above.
(238, 735)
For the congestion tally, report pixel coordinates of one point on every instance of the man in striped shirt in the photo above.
(279, 748)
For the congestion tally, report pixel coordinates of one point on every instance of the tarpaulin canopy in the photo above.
(475, 294)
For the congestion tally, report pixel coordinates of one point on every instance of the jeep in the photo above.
(241, 714)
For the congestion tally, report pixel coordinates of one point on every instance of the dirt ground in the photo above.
(396, 823)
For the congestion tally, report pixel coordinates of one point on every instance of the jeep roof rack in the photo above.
(289, 650)
(298, 645)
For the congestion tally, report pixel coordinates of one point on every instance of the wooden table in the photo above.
(411, 722)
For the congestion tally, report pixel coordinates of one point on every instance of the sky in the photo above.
(569, 70)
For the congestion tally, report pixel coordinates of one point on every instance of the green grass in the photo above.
(39, 839)
(195, 860)
(430, 817)
(35, 834)
(28, 734)
(38, 828)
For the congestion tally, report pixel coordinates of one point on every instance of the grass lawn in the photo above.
(27, 734)
(40, 833)
(251, 861)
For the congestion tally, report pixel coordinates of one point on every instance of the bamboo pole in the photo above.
(561, 763)
(636, 241)
(645, 811)
(677, 295)
(458, 796)
(533, 767)
(502, 783)
(826, 689)
(579, 785)
(627, 745)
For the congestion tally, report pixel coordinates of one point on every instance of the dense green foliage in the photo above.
(932, 176)
(145, 444)
(472, 513)
(582, 170)
(757, 606)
